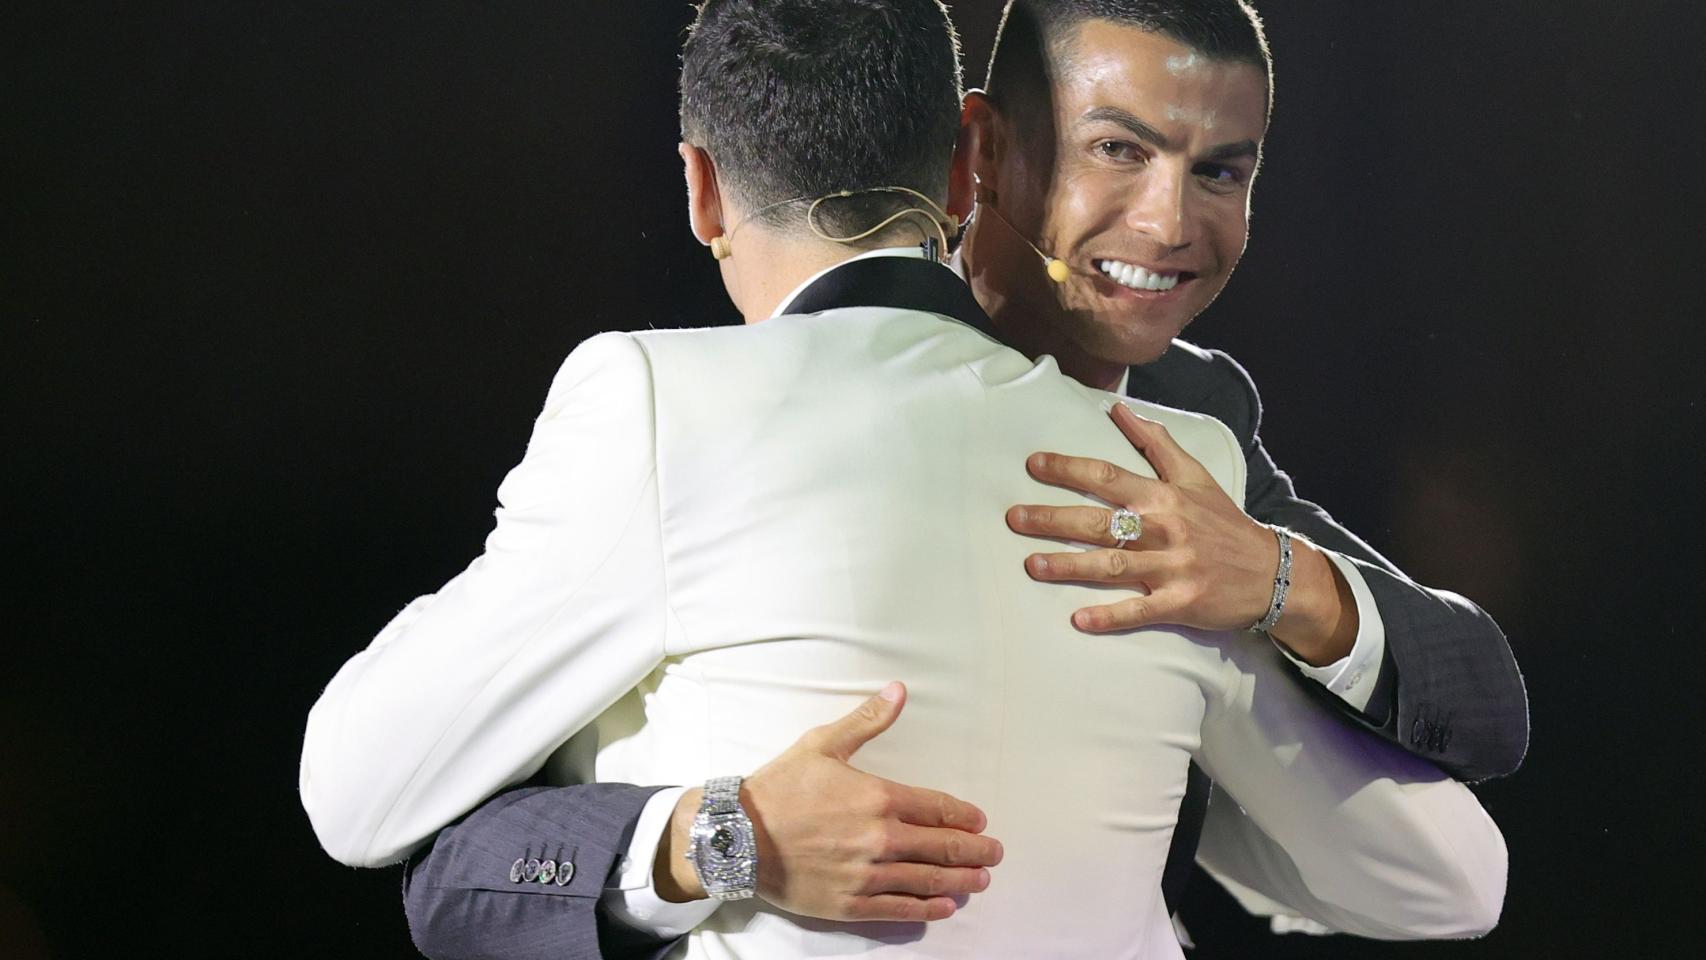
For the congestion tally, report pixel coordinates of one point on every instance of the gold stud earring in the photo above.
(720, 249)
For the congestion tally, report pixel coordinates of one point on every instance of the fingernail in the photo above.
(1039, 564)
(891, 693)
(1021, 515)
(983, 878)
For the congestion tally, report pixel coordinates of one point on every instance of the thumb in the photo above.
(842, 738)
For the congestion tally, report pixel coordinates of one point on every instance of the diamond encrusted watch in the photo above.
(721, 844)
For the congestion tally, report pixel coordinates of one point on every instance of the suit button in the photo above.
(547, 871)
(516, 868)
(530, 872)
(565, 873)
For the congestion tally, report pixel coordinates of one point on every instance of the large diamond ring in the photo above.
(1124, 526)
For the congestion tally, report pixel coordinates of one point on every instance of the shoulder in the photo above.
(603, 361)
(1199, 379)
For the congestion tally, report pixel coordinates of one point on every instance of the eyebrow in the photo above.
(1128, 120)
(1150, 135)
(1233, 151)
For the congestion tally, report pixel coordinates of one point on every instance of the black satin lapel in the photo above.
(898, 283)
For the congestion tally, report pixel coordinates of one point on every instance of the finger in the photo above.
(1099, 478)
(899, 906)
(926, 880)
(1079, 524)
(939, 846)
(1108, 565)
(843, 737)
(1172, 464)
(1128, 614)
(933, 808)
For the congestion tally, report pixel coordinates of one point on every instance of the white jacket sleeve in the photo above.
(468, 690)
(1337, 825)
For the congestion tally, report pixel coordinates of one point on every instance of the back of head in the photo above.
(1034, 38)
(804, 98)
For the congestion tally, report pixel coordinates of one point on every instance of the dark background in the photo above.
(283, 286)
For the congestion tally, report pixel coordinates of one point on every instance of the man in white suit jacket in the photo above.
(719, 537)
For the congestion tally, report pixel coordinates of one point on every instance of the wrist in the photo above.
(1319, 624)
(673, 876)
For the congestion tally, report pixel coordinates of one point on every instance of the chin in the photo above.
(1133, 342)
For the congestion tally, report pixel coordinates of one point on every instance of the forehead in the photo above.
(1161, 81)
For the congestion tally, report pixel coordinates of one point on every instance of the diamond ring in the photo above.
(1124, 526)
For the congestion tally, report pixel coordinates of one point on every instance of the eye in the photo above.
(1120, 151)
(1219, 175)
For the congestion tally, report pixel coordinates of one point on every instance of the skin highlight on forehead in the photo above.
(1177, 65)
(1195, 116)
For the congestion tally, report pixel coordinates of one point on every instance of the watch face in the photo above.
(724, 852)
(724, 841)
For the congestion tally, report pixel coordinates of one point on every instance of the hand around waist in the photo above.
(837, 843)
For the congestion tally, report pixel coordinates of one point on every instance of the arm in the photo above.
(1447, 687)
(834, 843)
(1423, 668)
(462, 904)
(470, 689)
(1336, 825)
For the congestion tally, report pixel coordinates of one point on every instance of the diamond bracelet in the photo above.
(1282, 582)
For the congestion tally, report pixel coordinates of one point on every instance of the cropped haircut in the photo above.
(803, 98)
(1029, 42)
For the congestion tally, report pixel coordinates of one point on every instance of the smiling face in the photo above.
(1144, 195)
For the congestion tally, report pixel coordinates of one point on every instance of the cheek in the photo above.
(1084, 204)
(1226, 226)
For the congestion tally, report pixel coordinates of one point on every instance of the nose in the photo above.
(1160, 207)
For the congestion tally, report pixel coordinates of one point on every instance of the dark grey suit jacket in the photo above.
(1448, 690)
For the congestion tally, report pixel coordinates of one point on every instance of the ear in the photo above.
(704, 202)
(983, 134)
(962, 185)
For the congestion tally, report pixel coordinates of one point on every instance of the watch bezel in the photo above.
(731, 876)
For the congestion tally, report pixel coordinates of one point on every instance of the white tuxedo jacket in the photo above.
(721, 537)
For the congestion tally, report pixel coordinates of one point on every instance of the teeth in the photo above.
(1136, 277)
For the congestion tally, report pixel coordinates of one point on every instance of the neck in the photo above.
(768, 266)
(1023, 304)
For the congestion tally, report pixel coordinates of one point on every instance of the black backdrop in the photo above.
(283, 286)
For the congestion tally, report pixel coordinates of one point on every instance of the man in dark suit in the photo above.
(1107, 138)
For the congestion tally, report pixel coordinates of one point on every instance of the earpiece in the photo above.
(722, 249)
(1057, 269)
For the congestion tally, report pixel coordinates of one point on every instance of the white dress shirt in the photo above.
(718, 538)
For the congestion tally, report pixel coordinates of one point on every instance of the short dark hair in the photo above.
(1027, 41)
(802, 98)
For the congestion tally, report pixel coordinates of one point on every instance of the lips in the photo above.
(1135, 277)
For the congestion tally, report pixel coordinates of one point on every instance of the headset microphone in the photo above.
(1058, 271)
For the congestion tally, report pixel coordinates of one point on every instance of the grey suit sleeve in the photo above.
(1449, 689)
(462, 905)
